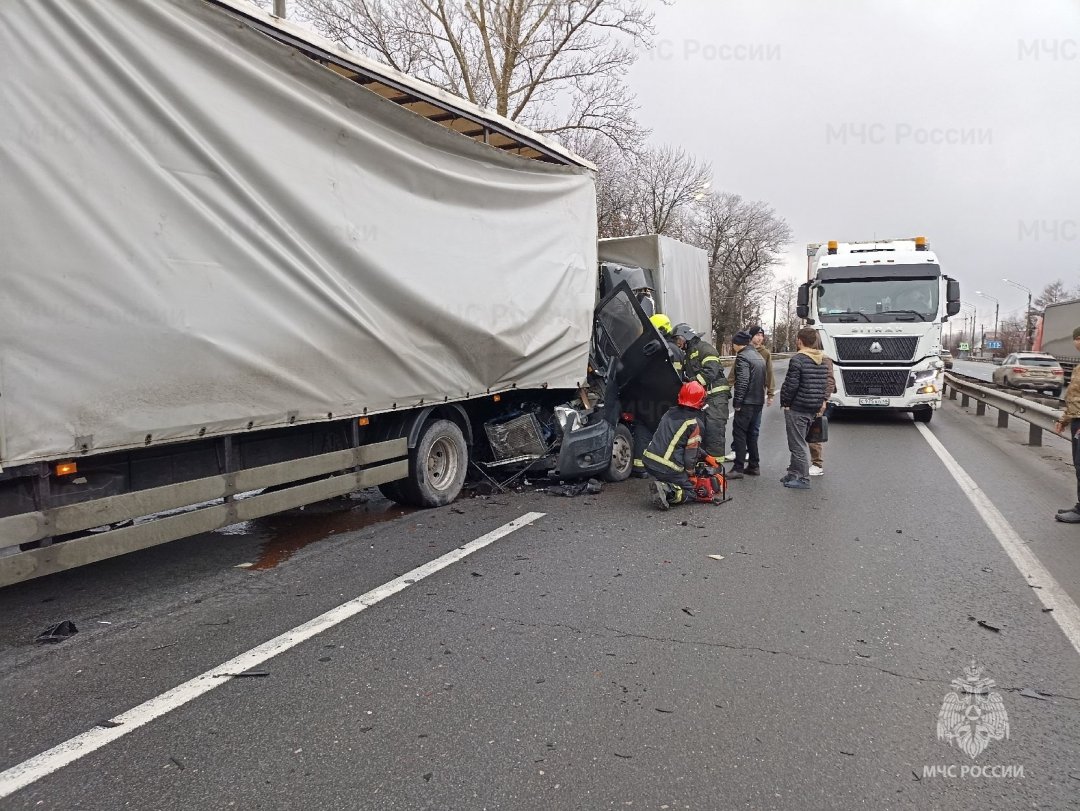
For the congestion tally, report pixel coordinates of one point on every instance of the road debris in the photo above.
(1027, 692)
(688, 612)
(717, 557)
(590, 487)
(57, 633)
(108, 724)
(247, 674)
(179, 765)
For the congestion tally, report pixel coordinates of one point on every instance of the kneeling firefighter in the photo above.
(675, 459)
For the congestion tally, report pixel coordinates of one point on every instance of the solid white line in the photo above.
(39, 766)
(1066, 613)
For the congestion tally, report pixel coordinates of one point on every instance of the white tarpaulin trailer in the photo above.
(680, 275)
(206, 230)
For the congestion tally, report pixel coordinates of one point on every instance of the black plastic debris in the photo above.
(590, 487)
(57, 633)
(247, 674)
(107, 724)
(988, 626)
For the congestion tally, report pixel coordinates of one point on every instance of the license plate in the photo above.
(874, 401)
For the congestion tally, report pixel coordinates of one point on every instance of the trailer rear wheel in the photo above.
(622, 455)
(437, 466)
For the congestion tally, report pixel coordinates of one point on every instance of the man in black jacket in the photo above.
(805, 390)
(748, 398)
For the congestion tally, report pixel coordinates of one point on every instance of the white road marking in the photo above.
(39, 766)
(1066, 613)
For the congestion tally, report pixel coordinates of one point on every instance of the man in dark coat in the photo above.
(804, 392)
(747, 400)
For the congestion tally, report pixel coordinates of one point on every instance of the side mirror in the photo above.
(802, 308)
(952, 308)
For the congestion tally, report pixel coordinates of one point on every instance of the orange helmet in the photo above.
(692, 394)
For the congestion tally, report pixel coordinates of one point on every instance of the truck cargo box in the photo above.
(679, 273)
(206, 231)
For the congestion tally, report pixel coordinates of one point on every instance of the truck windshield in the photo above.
(877, 300)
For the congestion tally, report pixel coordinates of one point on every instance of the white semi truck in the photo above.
(878, 308)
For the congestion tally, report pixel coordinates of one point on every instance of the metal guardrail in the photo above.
(1038, 416)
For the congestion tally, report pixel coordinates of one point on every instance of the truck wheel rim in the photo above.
(442, 464)
(620, 453)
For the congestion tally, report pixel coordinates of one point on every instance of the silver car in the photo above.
(1031, 370)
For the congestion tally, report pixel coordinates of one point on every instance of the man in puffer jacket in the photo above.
(805, 390)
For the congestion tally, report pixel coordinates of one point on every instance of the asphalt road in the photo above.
(595, 658)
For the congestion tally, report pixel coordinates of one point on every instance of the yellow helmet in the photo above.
(662, 323)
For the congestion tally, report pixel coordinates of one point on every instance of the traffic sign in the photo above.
(993, 344)
(965, 346)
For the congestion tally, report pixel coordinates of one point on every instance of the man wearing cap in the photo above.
(1070, 418)
(757, 340)
(702, 365)
(747, 400)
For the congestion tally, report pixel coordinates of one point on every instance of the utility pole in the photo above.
(1028, 320)
(279, 8)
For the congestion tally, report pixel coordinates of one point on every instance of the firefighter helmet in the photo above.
(662, 323)
(686, 332)
(692, 394)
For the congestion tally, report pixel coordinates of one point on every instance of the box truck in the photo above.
(246, 270)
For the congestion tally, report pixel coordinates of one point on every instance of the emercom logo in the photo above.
(972, 716)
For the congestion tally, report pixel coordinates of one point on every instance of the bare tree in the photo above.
(1051, 294)
(557, 66)
(667, 181)
(744, 241)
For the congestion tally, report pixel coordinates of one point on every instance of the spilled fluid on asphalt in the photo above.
(284, 534)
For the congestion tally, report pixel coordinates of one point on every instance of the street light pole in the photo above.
(1027, 319)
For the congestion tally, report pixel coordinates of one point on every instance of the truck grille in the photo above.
(896, 347)
(875, 382)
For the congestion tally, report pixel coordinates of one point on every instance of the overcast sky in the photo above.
(956, 120)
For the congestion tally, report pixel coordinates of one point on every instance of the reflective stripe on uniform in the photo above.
(665, 460)
(661, 460)
(638, 463)
(717, 389)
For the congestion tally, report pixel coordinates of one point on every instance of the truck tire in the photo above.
(437, 466)
(622, 456)
(922, 414)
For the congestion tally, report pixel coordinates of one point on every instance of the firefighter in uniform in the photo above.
(675, 448)
(642, 435)
(702, 365)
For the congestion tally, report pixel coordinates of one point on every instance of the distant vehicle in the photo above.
(1053, 334)
(1031, 370)
(947, 358)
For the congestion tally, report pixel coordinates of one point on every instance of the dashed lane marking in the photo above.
(39, 766)
(1066, 613)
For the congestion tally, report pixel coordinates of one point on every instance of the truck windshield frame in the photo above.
(878, 300)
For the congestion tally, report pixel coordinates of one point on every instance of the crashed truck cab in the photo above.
(631, 379)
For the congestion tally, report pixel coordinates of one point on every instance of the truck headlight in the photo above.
(925, 382)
